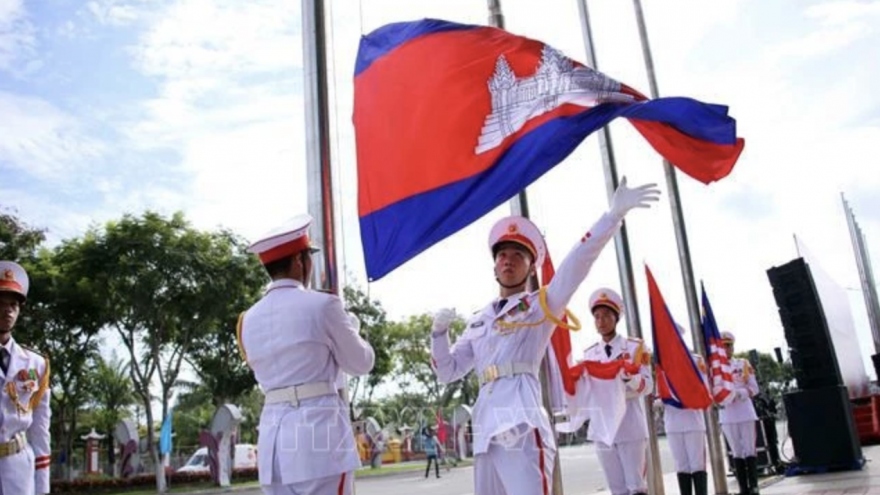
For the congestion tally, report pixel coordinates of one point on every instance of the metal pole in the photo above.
(624, 265)
(318, 162)
(863, 266)
(687, 273)
(319, 165)
(519, 205)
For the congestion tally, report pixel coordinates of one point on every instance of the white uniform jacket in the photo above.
(633, 425)
(294, 336)
(677, 420)
(24, 417)
(745, 386)
(486, 342)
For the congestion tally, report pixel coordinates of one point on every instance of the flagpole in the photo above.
(319, 166)
(624, 264)
(519, 205)
(687, 273)
(318, 159)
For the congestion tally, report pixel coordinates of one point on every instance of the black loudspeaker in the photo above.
(822, 429)
(806, 329)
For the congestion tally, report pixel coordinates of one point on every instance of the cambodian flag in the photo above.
(679, 382)
(452, 120)
(720, 373)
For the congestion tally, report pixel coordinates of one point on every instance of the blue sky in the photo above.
(110, 107)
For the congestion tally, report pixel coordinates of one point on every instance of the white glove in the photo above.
(625, 199)
(442, 319)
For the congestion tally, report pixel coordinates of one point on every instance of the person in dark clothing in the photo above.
(432, 448)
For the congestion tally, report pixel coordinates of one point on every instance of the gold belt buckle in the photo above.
(490, 374)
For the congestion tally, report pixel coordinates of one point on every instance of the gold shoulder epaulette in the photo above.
(238, 328)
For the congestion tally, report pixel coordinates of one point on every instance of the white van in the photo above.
(245, 457)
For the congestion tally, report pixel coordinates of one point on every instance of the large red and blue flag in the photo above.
(679, 381)
(452, 120)
(720, 372)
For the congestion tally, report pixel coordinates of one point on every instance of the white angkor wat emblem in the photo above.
(555, 82)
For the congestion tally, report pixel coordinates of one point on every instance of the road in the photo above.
(581, 475)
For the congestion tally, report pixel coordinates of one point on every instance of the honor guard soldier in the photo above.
(24, 397)
(624, 461)
(296, 341)
(686, 433)
(514, 444)
(739, 420)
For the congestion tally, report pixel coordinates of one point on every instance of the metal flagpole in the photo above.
(624, 265)
(866, 278)
(519, 205)
(318, 160)
(687, 273)
(318, 163)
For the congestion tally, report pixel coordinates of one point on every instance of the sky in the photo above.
(110, 107)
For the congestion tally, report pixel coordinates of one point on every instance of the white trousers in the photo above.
(17, 473)
(688, 450)
(741, 438)
(338, 484)
(625, 465)
(519, 462)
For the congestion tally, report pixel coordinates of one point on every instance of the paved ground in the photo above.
(582, 475)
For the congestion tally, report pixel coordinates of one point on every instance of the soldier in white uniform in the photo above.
(686, 433)
(514, 445)
(625, 461)
(296, 341)
(24, 397)
(739, 420)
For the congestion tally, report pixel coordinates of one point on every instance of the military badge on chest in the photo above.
(512, 320)
(20, 389)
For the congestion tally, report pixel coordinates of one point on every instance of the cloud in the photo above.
(114, 12)
(17, 38)
(41, 140)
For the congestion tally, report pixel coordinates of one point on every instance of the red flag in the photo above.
(441, 428)
(560, 340)
(679, 382)
(451, 120)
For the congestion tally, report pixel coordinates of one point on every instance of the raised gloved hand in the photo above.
(442, 319)
(625, 199)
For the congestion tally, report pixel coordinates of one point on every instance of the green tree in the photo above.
(62, 320)
(214, 354)
(412, 367)
(159, 278)
(375, 329)
(110, 390)
(18, 241)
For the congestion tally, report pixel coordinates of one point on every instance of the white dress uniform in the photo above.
(738, 418)
(514, 444)
(24, 408)
(686, 432)
(625, 462)
(297, 341)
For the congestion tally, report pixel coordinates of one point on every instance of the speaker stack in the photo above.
(820, 417)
